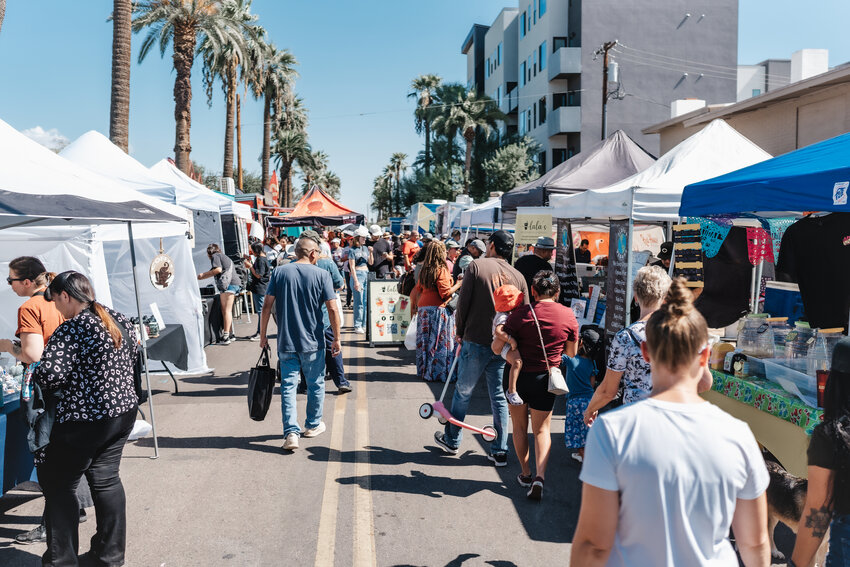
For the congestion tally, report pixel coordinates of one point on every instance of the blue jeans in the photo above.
(359, 297)
(476, 360)
(839, 542)
(291, 366)
(333, 363)
(258, 300)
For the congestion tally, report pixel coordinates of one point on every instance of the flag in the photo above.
(274, 189)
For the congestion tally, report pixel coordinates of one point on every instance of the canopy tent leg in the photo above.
(756, 286)
(143, 339)
(629, 276)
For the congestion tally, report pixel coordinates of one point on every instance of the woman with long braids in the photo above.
(90, 359)
(435, 333)
(828, 498)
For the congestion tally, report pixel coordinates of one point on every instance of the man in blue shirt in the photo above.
(296, 293)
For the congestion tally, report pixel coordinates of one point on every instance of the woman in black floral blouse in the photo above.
(90, 359)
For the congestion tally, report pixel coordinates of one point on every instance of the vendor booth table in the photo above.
(16, 463)
(169, 346)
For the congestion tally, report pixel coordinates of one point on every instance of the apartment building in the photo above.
(538, 61)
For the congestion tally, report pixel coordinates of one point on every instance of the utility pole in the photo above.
(604, 51)
(239, 140)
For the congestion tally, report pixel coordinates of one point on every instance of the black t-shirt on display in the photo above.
(815, 253)
(582, 256)
(529, 265)
(382, 266)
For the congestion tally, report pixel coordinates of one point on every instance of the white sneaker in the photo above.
(291, 442)
(360, 330)
(314, 431)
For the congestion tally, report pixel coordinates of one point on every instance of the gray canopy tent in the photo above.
(608, 161)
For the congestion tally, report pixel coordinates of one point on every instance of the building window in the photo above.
(534, 115)
(559, 100)
(542, 9)
(535, 11)
(528, 69)
(559, 156)
(534, 63)
(487, 69)
(522, 74)
(499, 54)
(498, 96)
(558, 43)
(756, 92)
(542, 105)
(541, 161)
(528, 120)
(541, 52)
(522, 123)
(522, 25)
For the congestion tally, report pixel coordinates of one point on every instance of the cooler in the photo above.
(783, 299)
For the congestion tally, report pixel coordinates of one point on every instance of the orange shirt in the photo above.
(409, 249)
(38, 316)
(435, 296)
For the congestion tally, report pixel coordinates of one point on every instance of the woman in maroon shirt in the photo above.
(559, 330)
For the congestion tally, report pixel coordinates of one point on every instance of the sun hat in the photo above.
(375, 230)
(361, 231)
(507, 298)
(545, 243)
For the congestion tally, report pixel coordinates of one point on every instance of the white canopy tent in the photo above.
(655, 193)
(488, 213)
(166, 172)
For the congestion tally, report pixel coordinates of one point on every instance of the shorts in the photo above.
(505, 350)
(533, 388)
(232, 289)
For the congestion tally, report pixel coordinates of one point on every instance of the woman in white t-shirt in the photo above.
(665, 478)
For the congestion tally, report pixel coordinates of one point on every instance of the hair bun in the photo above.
(679, 300)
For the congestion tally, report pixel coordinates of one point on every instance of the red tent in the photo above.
(317, 208)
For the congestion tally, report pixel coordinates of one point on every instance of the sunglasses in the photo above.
(10, 280)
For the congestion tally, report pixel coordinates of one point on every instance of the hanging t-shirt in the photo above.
(679, 469)
(815, 253)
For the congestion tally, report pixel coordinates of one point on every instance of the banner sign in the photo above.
(388, 312)
(617, 284)
(531, 227)
(565, 265)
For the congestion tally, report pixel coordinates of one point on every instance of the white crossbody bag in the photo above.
(557, 383)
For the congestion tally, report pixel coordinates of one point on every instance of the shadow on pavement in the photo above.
(14, 555)
(384, 456)
(216, 442)
(423, 484)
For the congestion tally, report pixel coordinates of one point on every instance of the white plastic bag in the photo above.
(410, 337)
(140, 429)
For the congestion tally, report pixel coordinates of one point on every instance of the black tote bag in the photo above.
(260, 387)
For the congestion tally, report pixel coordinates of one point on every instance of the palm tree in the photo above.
(229, 61)
(445, 96)
(398, 165)
(423, 90)
(466, 114)
(272, 81)
(294, 116)
(382, 194)
(119, 106)
(313, 170)
(290, 147)
(182, 23)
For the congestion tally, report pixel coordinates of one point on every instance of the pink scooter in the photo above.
(426, 410)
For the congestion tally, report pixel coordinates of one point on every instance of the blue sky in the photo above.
(356, 60)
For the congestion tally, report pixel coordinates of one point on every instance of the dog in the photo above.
(786, 500)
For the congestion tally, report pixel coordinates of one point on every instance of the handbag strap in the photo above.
(540, 334)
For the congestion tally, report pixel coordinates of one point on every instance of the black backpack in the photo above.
(407, 283)
(244, 275)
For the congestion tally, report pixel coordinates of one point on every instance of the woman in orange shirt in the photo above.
(435, 333)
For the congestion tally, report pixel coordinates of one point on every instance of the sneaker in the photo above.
(577, 457)
(440, 438)
(514, 399)
(35, 535)
(344, 389)
(498, 459)
(314, 431)
(536, 490)
(291, 442)
(254, 338)
(360, 330)
(226, 339)
(83, 515)
(524, 481)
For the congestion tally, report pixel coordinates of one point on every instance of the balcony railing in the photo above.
(565, 61)
(564, 120)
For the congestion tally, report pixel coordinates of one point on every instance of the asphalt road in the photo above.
(374, 489)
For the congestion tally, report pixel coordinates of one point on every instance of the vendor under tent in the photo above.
(606, 162)
(317, 208)
(655, 193)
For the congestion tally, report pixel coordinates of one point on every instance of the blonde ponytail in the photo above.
(676, 332)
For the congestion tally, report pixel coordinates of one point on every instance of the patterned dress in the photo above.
(435, 343)
(625, 357)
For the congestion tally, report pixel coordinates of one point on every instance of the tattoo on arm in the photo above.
(818, 520)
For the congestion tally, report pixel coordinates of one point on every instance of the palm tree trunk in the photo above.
(397, 191)
(267, 137)
(119, 106)
(184, 56)
(427, 148)
(230, 98)
(286, 178)
(466, 172)
(2, 12)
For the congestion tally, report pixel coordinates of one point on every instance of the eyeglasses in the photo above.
(10, 280)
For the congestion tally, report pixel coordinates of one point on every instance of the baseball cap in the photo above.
(311, 234)
(478, 244)
(590, 336)
(507, 298)
(361, 231)
(666, 251)
(545, 243)
(503, 241)
(335, 241)
(452, 244)
(375, 230)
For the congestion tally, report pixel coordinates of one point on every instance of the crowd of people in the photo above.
(665, 474)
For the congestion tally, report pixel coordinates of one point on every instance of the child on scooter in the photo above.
(581, 373)
(507, 298)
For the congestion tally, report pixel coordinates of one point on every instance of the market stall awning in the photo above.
(655, 193)
(164, 170)
(485, 214)
(814, 178)
(606, 162)
(317, 208)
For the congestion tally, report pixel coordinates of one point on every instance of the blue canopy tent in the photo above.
(814, 178)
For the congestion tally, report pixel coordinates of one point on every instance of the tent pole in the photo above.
(629, 277)
(143, 339)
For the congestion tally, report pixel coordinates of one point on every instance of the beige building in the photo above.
(779, 121)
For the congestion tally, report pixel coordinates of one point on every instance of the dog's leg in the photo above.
(820, 556)
(776, 556)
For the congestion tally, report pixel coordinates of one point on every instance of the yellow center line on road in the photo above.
(330, 498)
(364, 520)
